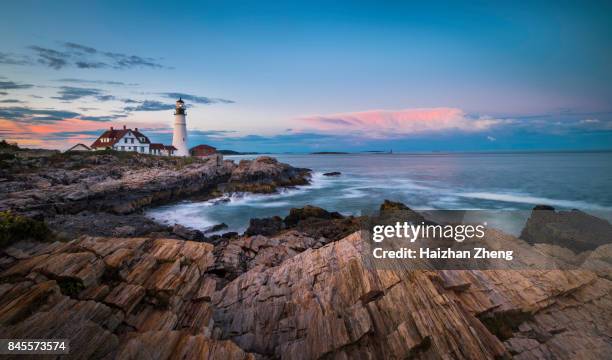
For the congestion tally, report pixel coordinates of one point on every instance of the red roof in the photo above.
(170, 147)
(156, 146)
(77, 145)
(115, 135)
(202, 150)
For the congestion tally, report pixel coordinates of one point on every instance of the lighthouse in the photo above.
(179, 138)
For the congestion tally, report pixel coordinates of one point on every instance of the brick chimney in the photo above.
(111, 128)
(135, 129)
(123, 127)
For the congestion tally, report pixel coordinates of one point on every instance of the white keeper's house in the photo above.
(130, 140)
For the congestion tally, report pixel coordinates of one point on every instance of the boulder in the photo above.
(187, 233)
(330, 229)
(333, 173)
(298, 214)
(574, 229)
(392, 211)
(265, 175)
(216, 228)
(266, 226)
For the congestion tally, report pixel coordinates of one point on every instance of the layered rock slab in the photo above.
(329, 303)
(113, 297)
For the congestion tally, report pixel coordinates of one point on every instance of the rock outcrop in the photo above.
(573, 229)
(114, 297)
(265, 175)
(108, 185)
(300, 288)
(320, 223)
(291, 296)
(266, 226)
(329, 303)
(105, 189)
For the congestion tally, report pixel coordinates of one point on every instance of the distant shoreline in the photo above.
(429, 153)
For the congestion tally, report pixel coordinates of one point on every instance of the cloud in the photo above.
(491, 138)
(81, 56)
(35, 116)
(69, 93)
(398, 123)
(57, 135)
(80, 48)
(11, 85)
(150, 105)
(91, 64)
(103, 118)
(214, 133)
(105, 97)
(100, 82)
(11, 101)
(52, 58)
(124, 61)
(13, 59)
(196, 99)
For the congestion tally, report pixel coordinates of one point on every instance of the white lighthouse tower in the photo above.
(179, 138)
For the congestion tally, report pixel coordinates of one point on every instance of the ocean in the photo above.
(500, 181)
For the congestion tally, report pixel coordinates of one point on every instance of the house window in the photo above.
(125, 140)
(122, 148)
(132, 140)
(142, 149)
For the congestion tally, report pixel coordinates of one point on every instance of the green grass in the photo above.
(14, 228)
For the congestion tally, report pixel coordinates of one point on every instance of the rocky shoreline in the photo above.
(297, 287)
(104, 193)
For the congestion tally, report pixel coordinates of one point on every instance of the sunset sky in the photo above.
(311, 76)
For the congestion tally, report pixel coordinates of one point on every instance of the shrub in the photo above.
(4, 145)
(15, 228)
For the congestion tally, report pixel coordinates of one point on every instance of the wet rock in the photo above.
(188, 233)
(124, 231)
(298, 214)
(391, 211)
(573, 229)
(331, 229)
(266, 226)
(216, 228)
(333, 173)
(317, 222)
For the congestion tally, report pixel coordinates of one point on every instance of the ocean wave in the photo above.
(352, 193)
(533, 200)
(187, 214)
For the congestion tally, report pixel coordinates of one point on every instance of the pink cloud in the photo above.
(60, 134)
(391, 123)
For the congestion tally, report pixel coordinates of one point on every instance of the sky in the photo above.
(308, 76)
